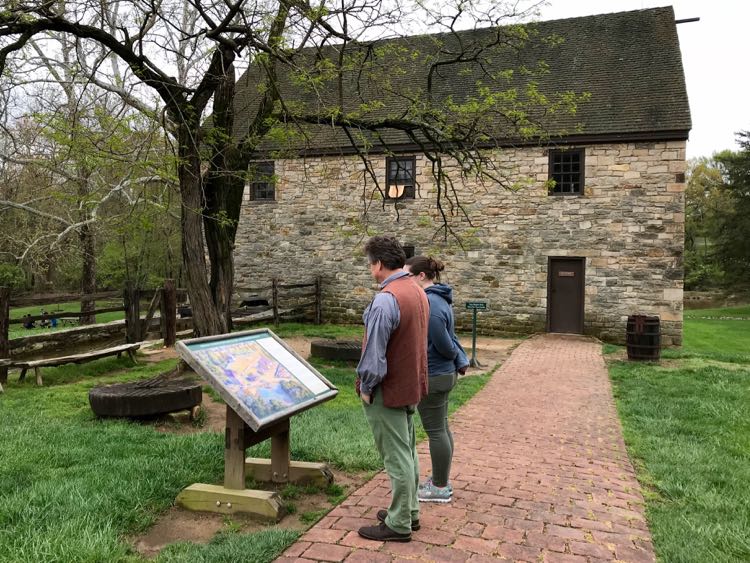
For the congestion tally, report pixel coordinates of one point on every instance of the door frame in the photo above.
(582, 296)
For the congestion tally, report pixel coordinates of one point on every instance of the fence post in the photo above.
(155, 302)
(275, 300)
(318, 301)
(169, 313)
(131, 300)
(4, 322)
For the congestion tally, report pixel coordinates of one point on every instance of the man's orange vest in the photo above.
(406, 355)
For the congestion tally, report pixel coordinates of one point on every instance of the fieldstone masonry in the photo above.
(628, 224)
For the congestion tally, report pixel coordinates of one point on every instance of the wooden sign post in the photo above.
(475, 306)
(267, 361)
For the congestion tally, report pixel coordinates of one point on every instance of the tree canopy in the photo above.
(174, 60)
(717, 226)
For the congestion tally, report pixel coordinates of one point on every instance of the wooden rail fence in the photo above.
(285, 300)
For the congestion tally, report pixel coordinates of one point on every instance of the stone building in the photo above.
(604, 240)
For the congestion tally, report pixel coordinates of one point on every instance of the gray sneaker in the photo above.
(429, 482)
(431, 493)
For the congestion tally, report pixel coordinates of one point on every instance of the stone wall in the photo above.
(629, 226)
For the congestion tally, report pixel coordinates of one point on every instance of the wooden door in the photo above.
(565, 294)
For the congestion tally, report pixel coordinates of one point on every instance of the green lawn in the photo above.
(344, 332)
(742, 312)
(73, 488)
(723, 339)
(687, 427)
(17, 330)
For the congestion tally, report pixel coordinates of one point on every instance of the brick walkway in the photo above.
(540, 473)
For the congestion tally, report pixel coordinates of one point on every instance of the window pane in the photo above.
(567, 171)
(400, 181)
(261, 180)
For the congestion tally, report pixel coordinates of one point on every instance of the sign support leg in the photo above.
(280, 468)
(234, 451)
(474, 362)
(279, 457)
(233, 497)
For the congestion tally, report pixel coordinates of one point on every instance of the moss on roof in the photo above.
(623, 69)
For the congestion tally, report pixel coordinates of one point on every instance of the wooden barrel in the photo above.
(643, 338)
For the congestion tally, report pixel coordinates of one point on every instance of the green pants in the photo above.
(433, 410)
(393, 430)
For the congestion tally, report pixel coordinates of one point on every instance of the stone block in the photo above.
(678, 166)
(669, 315)
(673, 295)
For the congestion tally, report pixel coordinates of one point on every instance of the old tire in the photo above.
(145, 398)
(349, 350)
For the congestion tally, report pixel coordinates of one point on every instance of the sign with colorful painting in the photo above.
(257, 374)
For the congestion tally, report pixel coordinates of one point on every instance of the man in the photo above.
(392, 379)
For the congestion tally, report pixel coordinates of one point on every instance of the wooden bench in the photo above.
(82, 358)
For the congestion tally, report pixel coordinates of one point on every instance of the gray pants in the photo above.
(433, 410)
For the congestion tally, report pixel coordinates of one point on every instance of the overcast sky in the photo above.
(716, 57)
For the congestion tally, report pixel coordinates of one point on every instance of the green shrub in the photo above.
(702, 275)
(12, 276)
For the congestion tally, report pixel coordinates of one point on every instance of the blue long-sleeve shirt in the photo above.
(381, 318)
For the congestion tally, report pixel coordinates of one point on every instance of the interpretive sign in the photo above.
(257, 375)
(477, 305)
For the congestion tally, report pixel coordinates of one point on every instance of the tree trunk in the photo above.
(223, 193)
(88, 274)
(220, 251)
(223, 190)
(206, 318)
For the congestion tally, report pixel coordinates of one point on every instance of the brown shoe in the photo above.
(381, 532)
(383, 513)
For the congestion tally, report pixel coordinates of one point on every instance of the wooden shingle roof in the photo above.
(628, 65)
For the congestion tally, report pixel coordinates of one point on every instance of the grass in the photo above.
(73, 488)
(230, 547)
(289, 330)
(17, 330)
(718, 338)
(687, 426)
(734, 312)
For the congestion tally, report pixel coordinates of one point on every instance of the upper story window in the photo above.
(401, 177)
(261, 181)
(566, 170)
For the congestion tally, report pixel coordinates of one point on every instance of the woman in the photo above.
(445, 358)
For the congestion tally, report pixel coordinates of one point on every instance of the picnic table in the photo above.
(84, 357)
